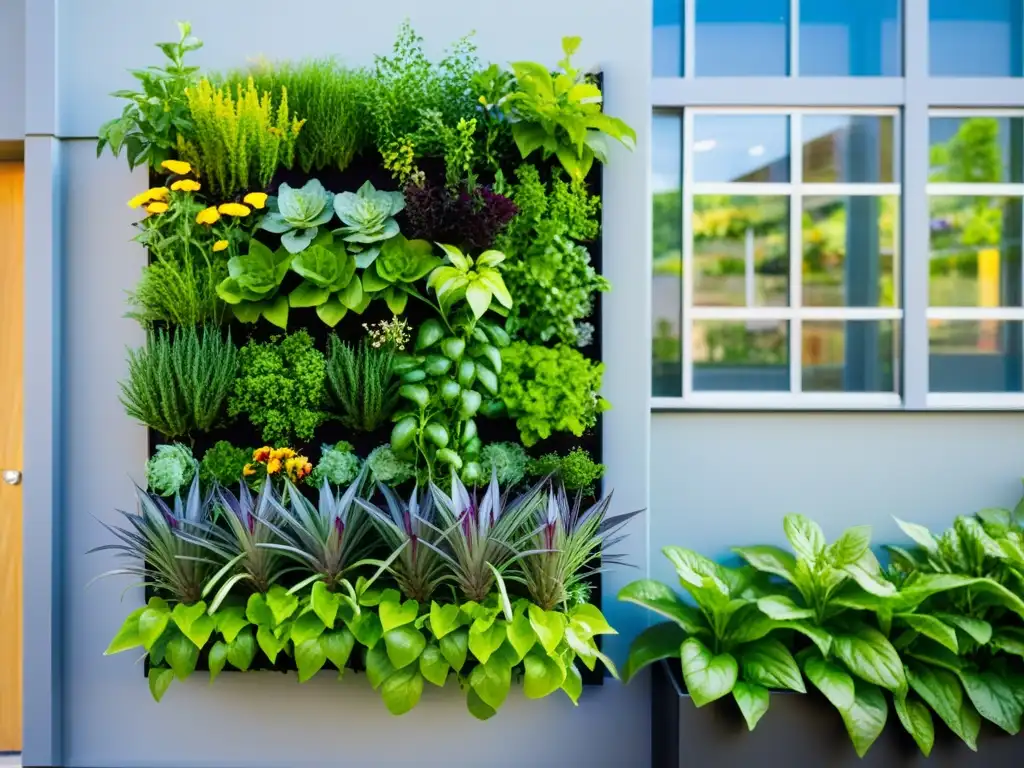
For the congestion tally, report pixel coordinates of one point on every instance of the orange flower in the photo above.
(249, 470)
(273, 466)
(261, 454)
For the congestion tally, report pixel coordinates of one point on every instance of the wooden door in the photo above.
(11, 328)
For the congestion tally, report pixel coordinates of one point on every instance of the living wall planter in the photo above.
(798, 731)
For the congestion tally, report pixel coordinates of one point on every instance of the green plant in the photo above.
(726, 644)
(330, 100)
(153, 120)
(239, 138)
(338, 466)
(508, 461)
(280, 386)
(550, 389)
(401, 263)
(477, 281)
(369, 218)
(178, 385)
(361, 383)
(562, 115)
(252, 285)
(170, 469)
(223, 464)
(577, 470)
(297, 214)
(387, 468)
(329, 281)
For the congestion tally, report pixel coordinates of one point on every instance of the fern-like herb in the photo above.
(361, 384)
(179, 385)
(241, 139)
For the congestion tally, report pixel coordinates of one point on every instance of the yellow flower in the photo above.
(273, 466)
(179, 167)
(156, 208)
(234, 209)
(156, 193)
(257, 200)
(207, 216)
(220, 245)
(186, 185)
(249, 470)
(261, 454)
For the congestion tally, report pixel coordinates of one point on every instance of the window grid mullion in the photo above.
(687, 241)
(795, 330)
(794, 38)
(689, 38)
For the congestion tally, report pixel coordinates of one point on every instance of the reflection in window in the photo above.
(740, 251)
(977, 149)
(975, 252)
(975, 38)
(850, 252)
(668, 255)
(975, 355)
(850, 356)
(742, 37)
(742, 148)
(850, 38)
(668, 38)
(849, 148)
(738, 356)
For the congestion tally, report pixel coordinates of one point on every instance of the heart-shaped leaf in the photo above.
(282, 604)
(433, 665)
(367, 628)
(127, 636)
(270, 644)
(218, 658)
(193, 622)
(231, 621)
(486, 642)
(182, 656)
(443, 619)
(338, 645)
(454, 648)
(752, 700)
(307, 627)
(549, 626)
(591, 618)
(378, 666)
(309, 658)
(521, 635)
(242, 650)
(324, 603)
(394, 614)
(707, 677)
(865, 720)
(152, 623)
(258, 612)
(402, 690)
(770, 664)
(404, 645)
(160, 679)
(492, 681)
(544, 675)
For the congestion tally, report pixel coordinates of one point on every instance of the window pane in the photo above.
(975, 252)
(975, 38)
(740, 251)
(975, 355)
(746, 148)
(738, 356)
(668, 255)
(850, 251)
(849, 148)
(850, 356)
(668, 38)
(977, 149)
(742, 37)
(851, 38)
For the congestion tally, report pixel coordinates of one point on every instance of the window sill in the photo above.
(787, 401)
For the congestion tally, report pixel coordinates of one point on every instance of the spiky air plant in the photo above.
(246, 525)
(408, 526)
(175, 567)
(570, 544)
(483, 536)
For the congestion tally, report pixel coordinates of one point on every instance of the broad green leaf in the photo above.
(282, 604)
(752, 700)
(917, 721)
(493, 280)
(337, 645)
(930, 627)
(127, 636)
(351, 295)
(783, 608)
(309, 658)
(573, 683)
(331, 312)
(921, 535)
(454, 647)
(194, 622)
(378, 666)
(367, 629)
(443, 619)
(521, 635)
(456, 257)
(820, 637)
(269, 643)
(433, 665)
(870, 656)
(868, 575)
(591, 618)
(805, 536)
(307, 294)
(182, 656)
(749, 624)
(152, 623)
(160, 679)
(865, 720)
(582, 645)
(477, 707)
(478, 295)
(994, 699)
(404, 645)
(242, 650)
(324, 603)
(707, 677)
(218, 658)
(544, 674)
(485, 642)
(771, 560)
(258, 612)
(977, 629)
(402, 690)
(491, 681)
(849, 547)
(663, 600)
(941, 691)
(662, 641)
(1009, 640)
(394, 614)
(230, 621)
(276, 312)
(770, 664)
(694, 568)
(549, 626)
(307, 627)
(835, 683)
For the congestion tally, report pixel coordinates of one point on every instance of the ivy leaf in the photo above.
(337, 645)
(378, 666)
(182, 656)
(865, 720)
(160, 679)
(324, 603)
(443, 619)
(483, 643)
(752, 700)
(454, 647)
(402, 690)
(307, 627)
(491, 681)
(309, 658)
(544, 675)
(549, 626)
(404, 645)
(242, 650)
(127, 636)
(433, 665)
(707, 677)
(193, 622)
(269, 643)
(231, 621)
(282, 603)
(218, 658)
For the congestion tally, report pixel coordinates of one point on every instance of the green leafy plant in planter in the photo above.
(298, 214)
(253, 284)
(330, 282)
(338, 466)
(223, 464)
(400, 264)
(577, 470)
(361, 382)
(170, 469)
(369, 218)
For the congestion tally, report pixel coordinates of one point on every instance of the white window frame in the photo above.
(916, 96)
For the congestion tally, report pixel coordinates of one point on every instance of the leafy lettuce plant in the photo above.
(170, 469)
(369, 218)
(298, 214)
(338, 465)
(223, 464)
(329, 280)
(724, 642)
(253, 282)
(401, 263)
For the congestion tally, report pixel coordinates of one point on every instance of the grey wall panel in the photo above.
(720, 480)
(12, 70)
(265, 719)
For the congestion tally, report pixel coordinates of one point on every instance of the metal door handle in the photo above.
(12, 477)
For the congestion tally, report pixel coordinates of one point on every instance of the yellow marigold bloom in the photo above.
(156, 193)
(220, 245)
(179, 167)
(261, 454)
(234, 209)
(273, 466)
(249, 470)
(208, 216)
(257, 200)
(186, 185)
(156, 208)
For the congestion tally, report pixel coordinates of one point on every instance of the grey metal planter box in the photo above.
(799, 731)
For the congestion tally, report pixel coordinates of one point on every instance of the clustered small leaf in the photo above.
(223, 464)
(508, 460)
(338, 466)
(170, 469)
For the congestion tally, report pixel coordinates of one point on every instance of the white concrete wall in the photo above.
(12, 70)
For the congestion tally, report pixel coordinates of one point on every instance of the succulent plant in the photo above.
(369, 218)
(298, 214)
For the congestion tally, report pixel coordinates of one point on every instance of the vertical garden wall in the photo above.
(267, 718)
